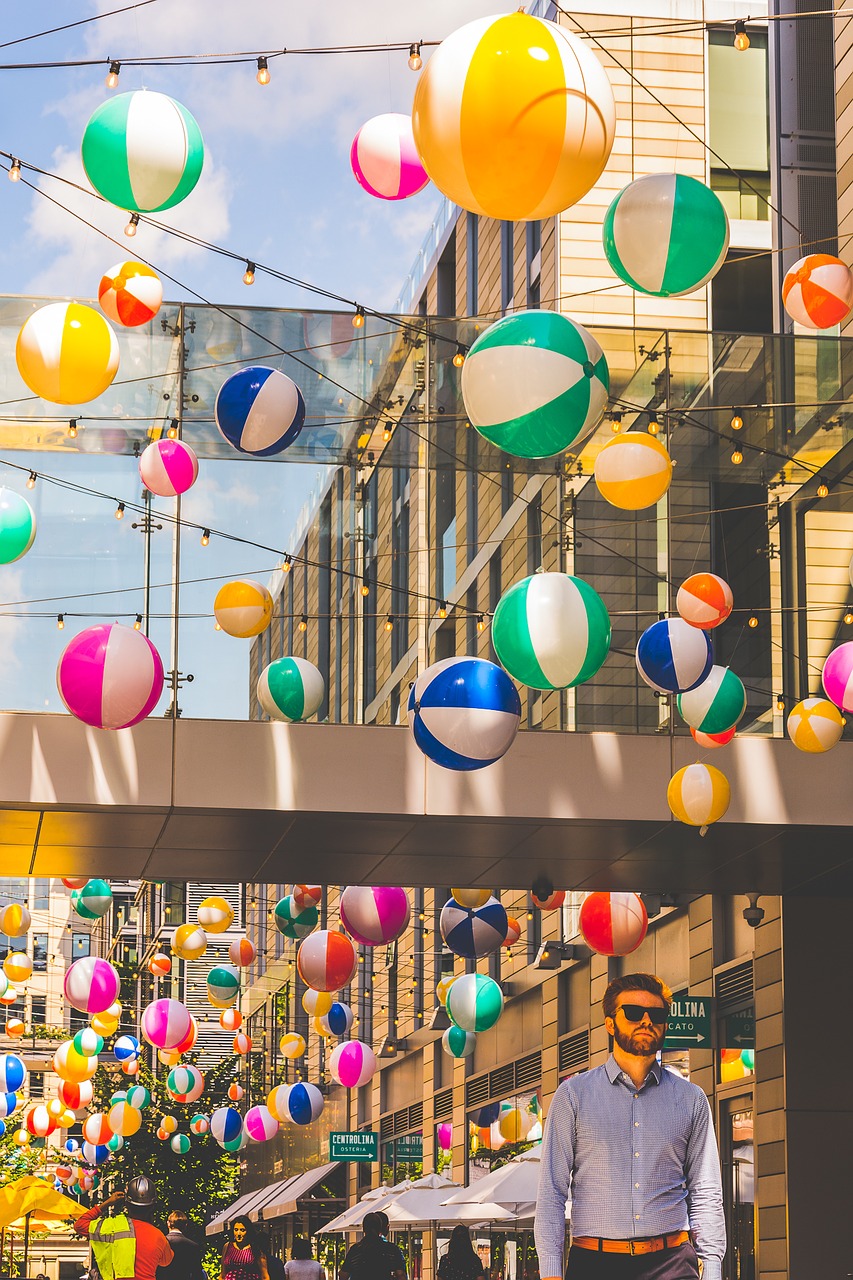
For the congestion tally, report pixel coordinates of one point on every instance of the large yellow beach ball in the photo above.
(698, 795)
(243, 608)
(633, 471)
(814, 725)
(514, 117)
(67, 353)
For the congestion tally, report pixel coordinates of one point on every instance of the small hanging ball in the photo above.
(130, 294)
(698, 795)
(142, 151)
(326, 960)
(223, 985)
(551, 631)
(93, 900)
(304, 1103)
(18, 966)
(242, 1044)
(236, 1092)
(189, 941)
(291, 1045)
(91, 985)
(815, 725)
(716, 705)
(181, 1143)
(316, 1003)
(165, 1023)
(672, 656)
(110, 676)
(704, 600)
(294, 922)
(473, 932)
(458, 1043)
(17, 526)
(338, 1021)
(67, 353)
(633, 471)
(185, 1083)
(352, 1064)
(712, 740)
(838, 676)
(259, 411)
(260, 1124)
(307, 895)
(15, 1028)
(243, 608)
(374, 915)
(76, 1094)
(472, 898)
(200, 1123)
(159, 965)
(215, 915)
(13, 1073)
(168, 467)
(88, 1042)
(554, 900)
(291, 689)
(817, 291)
(138, 1096)
(613, 924)
(513, 932)
(242, 952)
(385, 160)
(230, 1019)
(475, 1002)
(74, 882)
(124, 1120)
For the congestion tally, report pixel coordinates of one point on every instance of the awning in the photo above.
(247, 1205)
(295, 1189)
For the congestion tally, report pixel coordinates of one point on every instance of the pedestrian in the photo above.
(373, 1257)
(243, 1257)
(461, 1262)
(633, 1144)
(125, 1243)
(187, 1262)
(302, 1265)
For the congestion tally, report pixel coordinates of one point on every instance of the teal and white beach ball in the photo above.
(143, 151)
(474, 1002)
(291, 689)
(716, 704)
(17, 526)
(551, 631)
(535, 383)
(666, 234)
(458, 1043)
(223, 985)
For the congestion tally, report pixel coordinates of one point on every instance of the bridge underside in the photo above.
(360, 804)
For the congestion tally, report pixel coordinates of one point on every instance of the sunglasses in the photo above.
(636, 1012)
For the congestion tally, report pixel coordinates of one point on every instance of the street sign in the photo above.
(739, 1030)
(354, 1147)
(410, 1147)
(689, 1023)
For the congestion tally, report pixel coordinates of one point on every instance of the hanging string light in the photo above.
(112, 78)
(172, 433)
(31, 480)
(303, 622)
(459, 357)
(72, 428)
(205, 537)
(119, 511)
(737, 457)
(358, 318)
(137, 626)
(249, 273)
(415, 59)
(15, 170)
(130, 229)
(737, 421)
(263, 76)
(741, 40)
(60, 622)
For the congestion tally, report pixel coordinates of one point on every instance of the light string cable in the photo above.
(80, 22)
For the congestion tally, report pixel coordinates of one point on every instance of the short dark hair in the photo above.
(384, 1221)
(634, 982)
(372, 1224)
(178, 1219)
(301, 1248)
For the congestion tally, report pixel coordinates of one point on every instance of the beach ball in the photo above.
(188, 1041)
(10, 993)
(165, 1023)
(243, 608)
(71, 1145)
(17, 526)
(76, 1094)
(230, 1019)
(473, 932)
(169, 1123)
(304, 1103)
(88, 1042)
(74, 882)
(513, 932)
(326, 960)
(110, 676)
(474, 1002)
(704, 600)
(307, 895)
(14, 1028)
(712, 740)
(260, 1124)
(666, 234)
(815, 725)
(818, 291)
(385, 160)
(443, 986)
(13, 1073)
(374, 915)
(747, 1057)
(259, 411)
(316, 1003)
(142, 151)
(236, 1092)
(200, 1123)
(535, 383)
(514, 117)
(93, 900)
(104, 1024)
(715, 705)
(223, 985)
(291, 1045)
(672, 656)
(837, 680)
(181, 1143)
(138, 1096)
(633, 471)
(131, 1067)
(464, 713)
(292, 921)
(185, 1084)
(15, 920)
(698, 795)
(21, 1137)
(277, 1102)
(215, 915)
(120, 1095)
(242, 952)
(338, 1020)
(159, 965)
(96, 1129)
(352, 1064)
(458, 1043)
(162, 1134)
(67, 353)
(168, 467)
(169, 1057)
(189, 941)
(471, 897)
(91, 985)
(551, 631)
(613, 924)
(515, 1124)
(17, 966)
(8, 1105)
(321, 1028)
(124, 1119)
(242, 1044)
(40, 1122)
(554, 900)
(130, 293)
(291, 689)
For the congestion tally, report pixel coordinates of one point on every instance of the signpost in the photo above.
(361, 1148)
(410, 1147)
(690, 1023)
(739, 1029)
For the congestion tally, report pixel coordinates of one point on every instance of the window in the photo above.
(534, 263)
(445, 525)
(507, 287)
(445, 280)
(38, 1011)
(39, 952)
(36, 1084)
(77, 1020)
(739, 123)
(473, 281)
(81, 945)
(40, 895)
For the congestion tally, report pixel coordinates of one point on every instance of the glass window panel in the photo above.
(39, 952)
(738, 101)
(81, 945)
(40, 894)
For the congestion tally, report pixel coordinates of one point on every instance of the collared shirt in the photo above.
(637, 1162)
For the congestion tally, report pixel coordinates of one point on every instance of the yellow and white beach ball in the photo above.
(215, 915)
(243, 608)
(67, 353)
(189, 941)
(814, 725)
(633, 471)
(514, 117)
(698, 795)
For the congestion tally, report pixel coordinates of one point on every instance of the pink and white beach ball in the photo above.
(168, 467)
(91, 985)
(260, 1124)
(838, 676)
(110, 676)
(385, 160)
(352, 1064)
(374, 915)
(165, 1023)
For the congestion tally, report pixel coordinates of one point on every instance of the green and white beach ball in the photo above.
(291, 689)
(666, 234)
(143, 151)
(474, 1002)
(17, 526)
(458, 1043)
(551, 631)
(716, 704)
(535, 383)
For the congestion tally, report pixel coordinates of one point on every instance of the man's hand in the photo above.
(113, 1199)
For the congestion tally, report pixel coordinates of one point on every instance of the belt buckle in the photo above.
(631, 1244)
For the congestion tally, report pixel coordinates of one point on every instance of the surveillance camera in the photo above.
(542, 888)
(753, 914)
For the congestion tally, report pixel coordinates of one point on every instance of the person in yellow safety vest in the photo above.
(126, 1244)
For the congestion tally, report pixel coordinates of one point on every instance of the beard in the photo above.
(641, 1046)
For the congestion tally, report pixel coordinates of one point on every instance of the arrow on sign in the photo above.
(740, 1039)
(698, 1039)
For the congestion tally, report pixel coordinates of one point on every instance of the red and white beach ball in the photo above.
(513, 931)
(352, 1064)
(306, 895)
(613, 924)
(704, 600)
(76, 1094)
(168, 467)
(326, 960)
(711, 740)
(110, 676)
(165, 1023)
(96, 1129)
(385, 160)
(242, 1044)
(818, 291)
(374, 915)
(230, 1019)
(554, 900)
(159, 965)
(130, 293)
(91, 985)
(242, 952)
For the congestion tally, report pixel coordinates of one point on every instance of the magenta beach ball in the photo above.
(374, 915)
(110, 676)
(168, 467)
(91, 985)
(165, 1023)
(385, 160)
(260, 1124)
(838, 676)
(352, 1064)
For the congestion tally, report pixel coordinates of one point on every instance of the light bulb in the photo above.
(303, 622)
(823, 491)
(216, 626)
(72, 428)
(415, 59)
(263, 76)
(60, 622)
(442, 609)
(848, 619)
(737, 422)
(130, 229)
(365, 588)
(654, 426)
(249, 273)
(389, 623)
(172, 433)
(119, 511)
(205, 537)
(112, 78)
(615, 421)
(137, 626)
(15, 170)
(459, 358)
(753, 622)
(737, 457)
(741, 38)
(285, 568)
(387, 433)
(358, 318)
(780, 702)
(31, 480)
(481, 622)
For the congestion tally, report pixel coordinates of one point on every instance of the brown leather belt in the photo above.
(651, 1244)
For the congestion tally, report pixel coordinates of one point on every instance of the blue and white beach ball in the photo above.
(304, 1103)
(226, 1124)
(259, 411)
(126, 1049)
(551, 631)
(464, 713)
(672, 656)
(339, 1019)
(13, 1072)
(291, 689)
(473, 931)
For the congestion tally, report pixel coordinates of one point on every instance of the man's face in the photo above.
(239, 1233)
(642, 1038)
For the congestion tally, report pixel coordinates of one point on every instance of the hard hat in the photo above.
(141, 1192)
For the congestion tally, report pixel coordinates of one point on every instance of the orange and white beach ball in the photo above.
(704, 600)
(633, 471)
(818, 291)
(130, 293)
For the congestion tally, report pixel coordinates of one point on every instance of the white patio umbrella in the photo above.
(356, 1213)
(513, 1186)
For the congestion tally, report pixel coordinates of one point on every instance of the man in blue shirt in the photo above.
(634, 1147)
